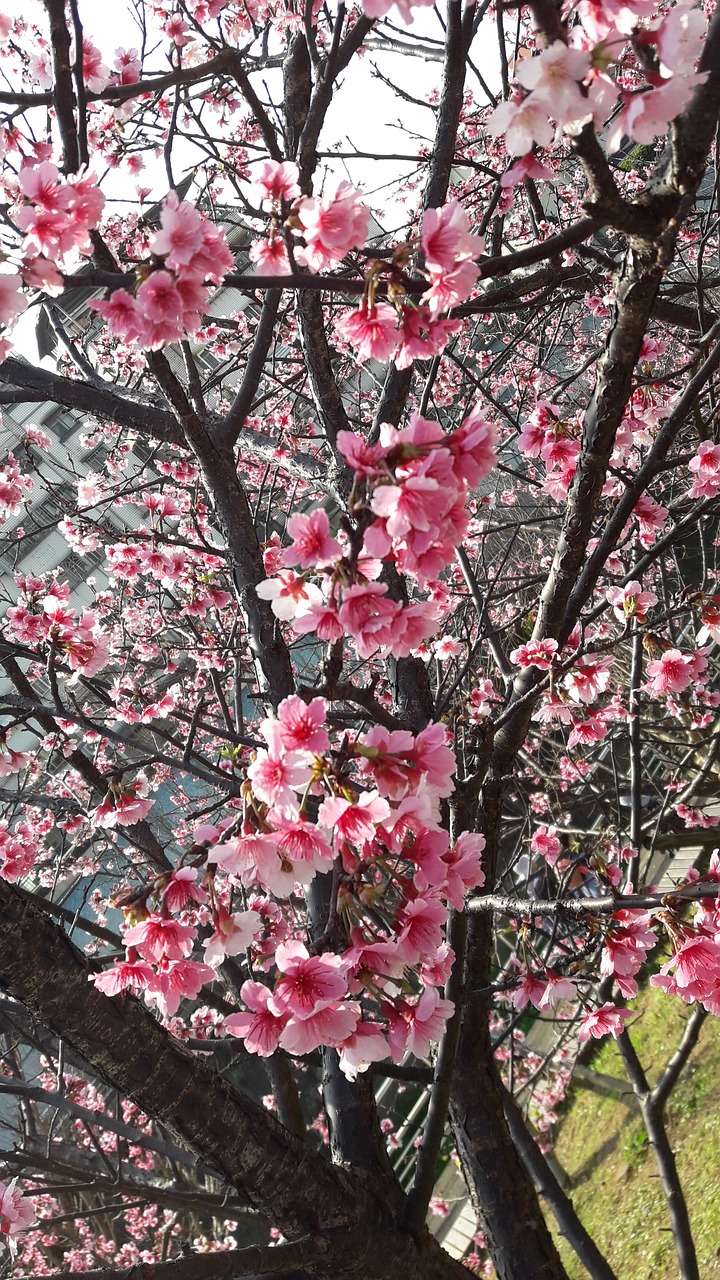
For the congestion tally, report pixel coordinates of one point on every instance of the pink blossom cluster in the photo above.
(543, 990)
(675, 671)
(630, 601)
(11, 761)
(15, 488)
(18, 850)
(556, 442)
(416, 482)
(608, 1019)
(46, 618)
(627, 943)
(371, 987)
(326, 227)
(56, 215)
(705, 467)
(12, 304)
(410, 331)
(124, 804)
(171, 297)
(330, 227)
(567, 86)
(693, 972)
(710, 617)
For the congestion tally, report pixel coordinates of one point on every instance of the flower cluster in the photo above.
(556, 442)
(12, 304)
(415, 482)
(15, 488)
(326, 228)
(569, 84)
(18, 850)
(368, 986)
(170, 300)
(693, 972)
(705, 467)
(56, 215)
(44, 617)
(410, 331)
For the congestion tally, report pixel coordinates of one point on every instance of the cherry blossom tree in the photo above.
(343, 742)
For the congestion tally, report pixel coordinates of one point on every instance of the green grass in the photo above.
(602, 1145)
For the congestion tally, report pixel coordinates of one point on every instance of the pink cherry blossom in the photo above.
(556, 988)
(609, 1019)
(319, 618)
(16, 1212)
(420, 925)
(126, 975)
(371, 330)
(160, 938)
(446, 237)
(530, 990)
(233, 934)
(332, 1024)
(554, 76)
(181, 234)
(523, 124)
(262, 1027)
(527, 166)
(270, 255)
(679, 39)
(331, 227)
(306, 982)
(367, 1044)
(536, 653)
(671, 673)
(706, 467)
(181, 889)
(354, 822)
(277, 180)
(697, 966)
(177, 980)
(12, 301)
(545, 842)
(449, 288)
(302, 724)
(276, 774)
(122, 806)
(646, 115)
(369, 617)
(312, 544)
(413, 1028)
(473, 448)
(631, 601)
(289, 594)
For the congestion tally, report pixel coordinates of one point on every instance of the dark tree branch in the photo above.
(570, 1226)
(235, 1264)
(605, 905)
(671, 1074)
(228, 431)
(434, 1130)
(63, 96)
(665, 1158)
(25, 382)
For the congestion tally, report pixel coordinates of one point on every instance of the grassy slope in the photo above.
(602, 1146)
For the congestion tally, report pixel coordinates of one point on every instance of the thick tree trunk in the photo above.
(518, 1238)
